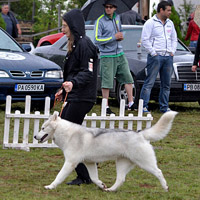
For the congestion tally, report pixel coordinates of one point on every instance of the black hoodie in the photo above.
(76, 67)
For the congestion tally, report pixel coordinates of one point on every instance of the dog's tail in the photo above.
(161, 128)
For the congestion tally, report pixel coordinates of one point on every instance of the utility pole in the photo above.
(144, 8)
(33, 11)
(59, 17)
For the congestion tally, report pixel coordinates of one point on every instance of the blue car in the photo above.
(22, 73)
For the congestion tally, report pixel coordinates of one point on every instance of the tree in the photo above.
(2, 23)
(184, 11)
(177, 22)
(76, 4)
(24, 9)
(45, 14)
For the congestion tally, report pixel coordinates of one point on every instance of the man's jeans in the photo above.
(155, 65)
(193, 44)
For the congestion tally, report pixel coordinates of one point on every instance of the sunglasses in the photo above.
(109, 7)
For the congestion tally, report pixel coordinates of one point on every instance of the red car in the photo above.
(49, 39)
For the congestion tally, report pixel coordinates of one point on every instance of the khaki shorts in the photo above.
(111, 67)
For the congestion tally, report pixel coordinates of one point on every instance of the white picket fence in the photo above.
(18, 140)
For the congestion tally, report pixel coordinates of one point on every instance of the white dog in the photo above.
(94, 145)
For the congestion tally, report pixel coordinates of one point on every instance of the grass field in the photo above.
(24, 174)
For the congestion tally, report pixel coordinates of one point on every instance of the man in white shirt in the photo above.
(159, 38)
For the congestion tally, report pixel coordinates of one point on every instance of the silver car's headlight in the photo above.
(54, 74)
(3, 74)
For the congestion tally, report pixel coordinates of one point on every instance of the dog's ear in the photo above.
(54, 116)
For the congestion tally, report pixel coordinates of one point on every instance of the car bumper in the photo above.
(50, 88)
(177, 92)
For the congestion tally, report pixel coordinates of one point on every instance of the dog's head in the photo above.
(48, 128)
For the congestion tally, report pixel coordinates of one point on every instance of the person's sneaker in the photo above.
(145, 110)
(168, 109)
(109, 111)
(131, 108)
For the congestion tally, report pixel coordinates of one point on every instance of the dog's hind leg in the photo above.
(62, 175)
(157, 173)
(123, 166)
(148, 162)
(93, 172)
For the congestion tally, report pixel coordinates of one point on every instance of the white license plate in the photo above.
(191, 87)
(29, 87)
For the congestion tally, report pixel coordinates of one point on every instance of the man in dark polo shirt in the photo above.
(12, 25)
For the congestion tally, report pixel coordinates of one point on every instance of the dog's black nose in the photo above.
(35, 137)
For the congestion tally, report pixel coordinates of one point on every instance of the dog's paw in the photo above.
(103, 186)
(109, 190)
(49, 187)
(167, 189)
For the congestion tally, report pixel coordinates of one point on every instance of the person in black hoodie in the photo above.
(80, 77)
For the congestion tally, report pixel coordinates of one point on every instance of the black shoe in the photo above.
(109, 111)
(76, 181)
(88, 181)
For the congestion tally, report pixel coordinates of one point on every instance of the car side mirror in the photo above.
(26, 47)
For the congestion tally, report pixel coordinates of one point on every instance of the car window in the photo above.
(180, 47)
(133, 35)
(7, 44)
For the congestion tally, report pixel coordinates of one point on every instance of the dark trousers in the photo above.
(75, 112)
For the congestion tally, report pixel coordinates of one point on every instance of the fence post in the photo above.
(26, 121)
(7, 120)
(16, 128)
(121, 113)
(103, 112)
(140, 113)
(36, 127)
(47, 109)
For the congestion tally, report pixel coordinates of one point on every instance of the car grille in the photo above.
(33, 74)
(183, 72)
(36, 74)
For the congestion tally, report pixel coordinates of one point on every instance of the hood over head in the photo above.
(76, 23)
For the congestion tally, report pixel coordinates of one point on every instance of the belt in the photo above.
(163, 53)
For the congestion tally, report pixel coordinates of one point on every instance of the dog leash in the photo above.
(63, 105)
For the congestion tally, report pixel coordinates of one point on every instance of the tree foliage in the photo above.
(2, 23)
(46, 11)
(184, 11)
(76, 4)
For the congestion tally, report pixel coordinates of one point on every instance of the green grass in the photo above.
(24, 174)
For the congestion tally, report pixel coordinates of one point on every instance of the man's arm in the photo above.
(19, 29)
(174, 40)
(146, 36)
(99, 39)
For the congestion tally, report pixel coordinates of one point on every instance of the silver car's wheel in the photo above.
(122, 94)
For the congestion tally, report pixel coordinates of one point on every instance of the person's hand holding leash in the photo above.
(67, 85)
(59, 95)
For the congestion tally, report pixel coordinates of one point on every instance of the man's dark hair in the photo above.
(163, 5)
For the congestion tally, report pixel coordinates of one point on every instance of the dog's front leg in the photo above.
(62, 175)
(93, 172)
